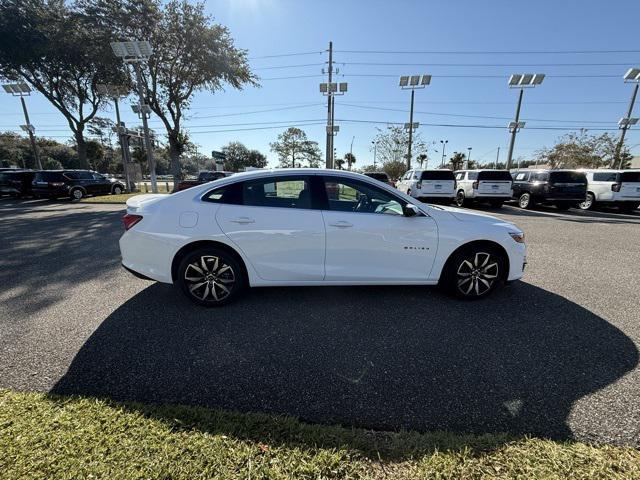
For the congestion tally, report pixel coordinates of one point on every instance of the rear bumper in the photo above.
(451, 195)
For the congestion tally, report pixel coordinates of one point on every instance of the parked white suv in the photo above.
(429, 184)
(491, 186)
(619, 188)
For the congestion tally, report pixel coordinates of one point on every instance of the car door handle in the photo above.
(341, 224)
(242, 220)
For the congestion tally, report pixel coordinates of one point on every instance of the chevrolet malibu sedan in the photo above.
(291, 227)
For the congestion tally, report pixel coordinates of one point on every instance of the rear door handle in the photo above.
(341, 224)
(242, 220)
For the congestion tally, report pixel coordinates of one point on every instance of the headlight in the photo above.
(517, 236)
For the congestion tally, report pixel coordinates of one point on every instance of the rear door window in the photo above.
(472, 176)
(567, 177)
(438, 175)
(48, 177)
(605, 177)
(521, 177)
(282, 192)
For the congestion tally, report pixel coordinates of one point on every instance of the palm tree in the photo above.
(422, 158)
(350, 158)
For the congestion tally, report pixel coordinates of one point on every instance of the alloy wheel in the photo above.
(588, 202)
(209, 279)
(476, 276)
(77, 194)
(460, 199)
(524, 200)
(117, 190)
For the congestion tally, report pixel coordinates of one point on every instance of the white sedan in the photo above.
(307, 226)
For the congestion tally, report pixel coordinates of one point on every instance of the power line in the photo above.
(279, 55)
(315, 75)
(300, 65)
(486, 52)
(259, 111)
(384, 75)
(423, 64)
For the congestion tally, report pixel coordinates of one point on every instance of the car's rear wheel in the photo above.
(474, 272)
(76, 194)
(589, 202)
(210, 277)
(117, 190)
(525, 200)
(460, 198)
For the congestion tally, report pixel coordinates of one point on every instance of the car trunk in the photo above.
(437, 183)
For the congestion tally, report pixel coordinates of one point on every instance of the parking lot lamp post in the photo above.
(115, 92)
(22, 90)
(632, 76)
(468, 157)
(331, 89)
(444, 144)
(521, 81)
(412, 83)
(135, 53)
(375, 152)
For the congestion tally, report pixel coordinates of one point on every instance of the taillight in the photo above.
(130, 220)
(616, 187)
(474, 185)
(419, 185)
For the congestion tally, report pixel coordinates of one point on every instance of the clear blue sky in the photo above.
(275, 27)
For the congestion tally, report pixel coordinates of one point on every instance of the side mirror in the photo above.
(410, 210)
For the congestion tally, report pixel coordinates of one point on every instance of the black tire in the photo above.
(496, 203)
(589, 202)
(525, 200)
(461, 199)
(210, 277)
(117, 189)
(474, 272)
(628, 207)
(563, 206)
(76, 194)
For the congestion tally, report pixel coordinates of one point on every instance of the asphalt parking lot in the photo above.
(554, 355)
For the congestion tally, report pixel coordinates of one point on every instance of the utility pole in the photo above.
(375, 152)
(30, 129)
(514, 129)
(329, 159)
(468, 158)
(497, 158)
(624, 125)
(413, 94)
(115, 92)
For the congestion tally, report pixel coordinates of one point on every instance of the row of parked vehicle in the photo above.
(74, 184)
(563, 188)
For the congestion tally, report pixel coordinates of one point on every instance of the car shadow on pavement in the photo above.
(376, 357)
(572, 215)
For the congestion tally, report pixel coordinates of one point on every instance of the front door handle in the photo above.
(242, 220)
(341, 224)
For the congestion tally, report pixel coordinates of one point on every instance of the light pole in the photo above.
(21, 89)
(135, 53)
(468, 157)
(375, 152)
(497, 159)
(412, 83)
(115, 92)
(521, 81)
(632, 76)
(444, 145)
(331, 89)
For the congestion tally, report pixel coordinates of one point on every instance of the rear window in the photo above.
(494, 175)
(378, 176)
(438, 175)
(231, 194)
(605, 177)
(567, 177)
(630, 176)
(48, 177)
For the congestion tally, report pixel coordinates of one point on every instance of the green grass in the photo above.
(44, 437)
(122, 198)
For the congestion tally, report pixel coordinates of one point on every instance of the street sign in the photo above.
(218, 155)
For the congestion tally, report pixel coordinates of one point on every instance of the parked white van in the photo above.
(616, 188)
(429, 184)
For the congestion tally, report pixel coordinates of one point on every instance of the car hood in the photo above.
(465, 215)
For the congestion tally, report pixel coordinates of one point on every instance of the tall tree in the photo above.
(394, 168)
(293, 148)
(350, 158)
(456, 162)
(392, 144)
(239, 157)
(580, 150)
(191, 53)
(50, 45)
(421, 159)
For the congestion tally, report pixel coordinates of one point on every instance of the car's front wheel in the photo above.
(474, 272)
(76, 194)
(117, 190)
(525, 200)
(210, 277)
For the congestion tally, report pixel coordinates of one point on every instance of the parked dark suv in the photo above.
(74, 184)
(562, 188)
(16, 183)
